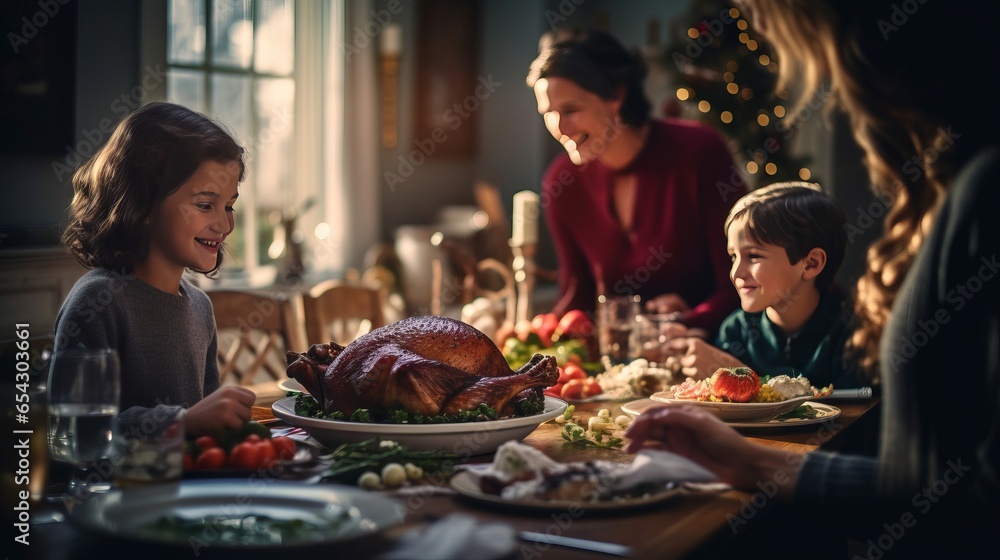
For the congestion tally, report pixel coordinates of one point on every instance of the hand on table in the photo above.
(698, 358)
(700, 436)
(228, 407)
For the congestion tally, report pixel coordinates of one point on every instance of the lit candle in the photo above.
(525, 230)
(391, 42)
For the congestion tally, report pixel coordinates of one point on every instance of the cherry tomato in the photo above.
(572, 389)
(245, 456)
(590, 388)
(206, 442)
(252, 438)
(267, 454)
(285, 447)
(571, 371)
(214, 458)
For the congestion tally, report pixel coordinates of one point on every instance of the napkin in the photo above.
(455, 537)
(653, 466)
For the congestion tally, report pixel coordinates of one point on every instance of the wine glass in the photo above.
(83, 393)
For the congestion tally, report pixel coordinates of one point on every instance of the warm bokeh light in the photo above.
(734, 13)
(773, 67)
(764, 60)
(683, 94)
(805, 174)
(726, 117)
(742, 24)
(752, 167)
(744, 37)
(733, 88)
(728, 76)
(752, 45)
(704, 106)
(747, 93)
(779, 111)
(732, 66)
(322, 230)
(770, 169)
(693, 33)
(762, 119)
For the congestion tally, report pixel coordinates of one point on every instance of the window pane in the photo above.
(186, 32)
(231, 104)
(232, 33)
(275, 45)
(274, 109)
(187, 87)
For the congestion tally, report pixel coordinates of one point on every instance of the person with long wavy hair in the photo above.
(914, 79)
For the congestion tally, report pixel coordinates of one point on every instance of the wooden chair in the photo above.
(255, 331)
(340, 311)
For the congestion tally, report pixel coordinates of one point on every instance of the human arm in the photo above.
(698, 358)
(708, 441)
(577, 287)
(719, 185)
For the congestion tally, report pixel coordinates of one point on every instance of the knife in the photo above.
(570, 542)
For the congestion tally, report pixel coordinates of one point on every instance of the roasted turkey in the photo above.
(428, 365)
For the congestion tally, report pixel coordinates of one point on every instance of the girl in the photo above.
(155, 200)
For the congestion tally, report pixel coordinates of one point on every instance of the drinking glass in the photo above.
(83, 392)
(617, 329)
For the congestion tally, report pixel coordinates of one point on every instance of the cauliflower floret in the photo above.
(791, 387)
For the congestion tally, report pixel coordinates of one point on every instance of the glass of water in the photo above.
(83, 393)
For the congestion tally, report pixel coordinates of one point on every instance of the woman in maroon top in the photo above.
(636, 205)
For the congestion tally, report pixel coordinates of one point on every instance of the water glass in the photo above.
(617, 327)
(83, 389)
(654, 332)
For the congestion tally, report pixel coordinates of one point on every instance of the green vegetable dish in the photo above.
(241, 530)
(306, 405)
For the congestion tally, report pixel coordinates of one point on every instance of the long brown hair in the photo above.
(148, 156)
(905, 116)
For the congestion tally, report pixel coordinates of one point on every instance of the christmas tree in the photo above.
(726, 78)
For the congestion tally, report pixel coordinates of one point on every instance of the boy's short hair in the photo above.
(798, 217)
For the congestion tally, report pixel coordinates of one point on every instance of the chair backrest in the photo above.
(255, 331)
(340, 312)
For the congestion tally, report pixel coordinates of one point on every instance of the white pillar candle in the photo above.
(525, 228)
(391, 42)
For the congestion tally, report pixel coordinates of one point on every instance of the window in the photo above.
(255, 66)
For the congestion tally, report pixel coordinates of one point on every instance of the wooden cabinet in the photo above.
(33, 285)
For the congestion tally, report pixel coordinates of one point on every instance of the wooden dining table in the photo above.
(696, 523)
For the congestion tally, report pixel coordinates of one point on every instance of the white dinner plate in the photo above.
(737, 412)
(338, 513)
(462, 438)
(824, 412)
(467, 484)
(292, 386)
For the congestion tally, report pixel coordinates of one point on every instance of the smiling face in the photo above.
(762, 273)
(583, 122)
(189, 227)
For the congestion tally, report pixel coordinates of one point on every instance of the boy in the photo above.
(786, 242)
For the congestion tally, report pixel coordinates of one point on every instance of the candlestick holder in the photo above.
(524, 278)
